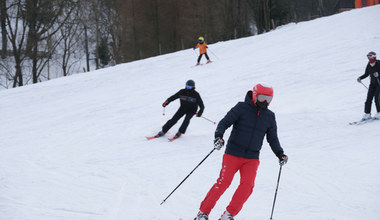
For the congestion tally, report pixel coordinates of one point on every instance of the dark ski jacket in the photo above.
(370, 70)
(250, 125)
(190, 100)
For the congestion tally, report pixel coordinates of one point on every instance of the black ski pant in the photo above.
(373, 92)
(179, 114)
(200, 56)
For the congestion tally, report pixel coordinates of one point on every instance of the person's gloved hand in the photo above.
(165, 103)
(218, 143)
(199, 114)
(359, 80)
(283, 159)
(376, 74)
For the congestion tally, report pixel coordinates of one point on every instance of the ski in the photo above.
(198, 65)
(173, 138)
(201, 64)
(152, 137)
(363, 121)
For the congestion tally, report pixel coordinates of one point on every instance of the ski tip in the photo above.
(151, 138)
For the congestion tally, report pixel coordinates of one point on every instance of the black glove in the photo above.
(283, 159)
(359, 80)
(218, 143)
(199, 114)
(165, 103)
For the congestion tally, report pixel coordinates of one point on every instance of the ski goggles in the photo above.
(266, 98)
(189, 87)
(371, 56)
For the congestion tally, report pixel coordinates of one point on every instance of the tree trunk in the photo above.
(3, 11)
(34, 63)
(157, 26)
(97, 33)
(134, 32)
(86, 48)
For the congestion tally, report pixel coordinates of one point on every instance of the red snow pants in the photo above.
(232, 164)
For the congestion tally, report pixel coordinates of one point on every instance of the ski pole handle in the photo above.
(209, 120)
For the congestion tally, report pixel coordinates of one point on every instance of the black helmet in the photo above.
(190, 84)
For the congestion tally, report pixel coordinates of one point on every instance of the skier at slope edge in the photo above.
(372, 70)
(190, 100)
(251, 121)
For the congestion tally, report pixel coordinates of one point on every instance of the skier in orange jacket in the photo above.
(202, 50)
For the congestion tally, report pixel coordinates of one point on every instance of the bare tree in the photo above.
(16, 33)
(44, 19)
(5, 74)
(70, 43)
(84, 19)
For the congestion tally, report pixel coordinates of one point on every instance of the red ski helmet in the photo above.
(371, 57)
(261, 93)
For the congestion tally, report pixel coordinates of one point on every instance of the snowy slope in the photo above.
(75, 148)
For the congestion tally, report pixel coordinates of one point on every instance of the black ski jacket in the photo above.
(190, 100)
(370, 70)
(250, 125)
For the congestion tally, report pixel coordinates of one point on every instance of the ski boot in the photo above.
(201, 216)
(366, 116)
(226, 216)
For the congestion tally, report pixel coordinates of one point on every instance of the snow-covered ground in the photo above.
(75, 147)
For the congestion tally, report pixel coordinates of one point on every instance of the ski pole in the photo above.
(209, 120)
(275, 195)
(187, 176)
(163, 111)
(364, 85)
(195, 53)
(213, 54)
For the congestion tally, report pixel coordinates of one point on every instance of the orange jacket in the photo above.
(202, 48)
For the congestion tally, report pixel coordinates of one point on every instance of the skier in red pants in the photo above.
(251, 121)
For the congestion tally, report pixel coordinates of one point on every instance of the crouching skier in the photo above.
(190, 100)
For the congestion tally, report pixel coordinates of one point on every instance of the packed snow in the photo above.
(75, 147)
